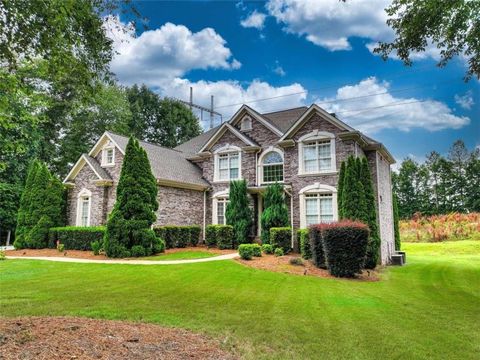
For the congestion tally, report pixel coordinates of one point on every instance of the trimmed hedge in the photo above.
(345, 244)
(281, 237)
(178, 236)
(304, 244)
(247, 251)
(220, 236)
(211, 235)
(267, 248)
(75, 237)
(316, 245)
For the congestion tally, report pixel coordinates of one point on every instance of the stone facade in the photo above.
(179, 206)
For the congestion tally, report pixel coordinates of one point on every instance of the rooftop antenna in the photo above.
(210, 110)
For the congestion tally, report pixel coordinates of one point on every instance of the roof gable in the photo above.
(107, 136)
(92, 163)
(306, 116)
(255, 115)
(224, 128)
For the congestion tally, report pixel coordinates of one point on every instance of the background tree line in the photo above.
(441, 184)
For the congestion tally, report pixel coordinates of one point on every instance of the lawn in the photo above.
(182, 255)
(428, 309)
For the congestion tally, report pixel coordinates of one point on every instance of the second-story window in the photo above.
(227, 164)
(108, 156)
(272, 165)
(317, 153)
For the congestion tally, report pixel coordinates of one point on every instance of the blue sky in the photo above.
(296, 53)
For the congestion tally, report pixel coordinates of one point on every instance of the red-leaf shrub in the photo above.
(345, 246)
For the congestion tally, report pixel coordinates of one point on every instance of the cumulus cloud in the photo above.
(230, 94)
(385, 111)
(466, 101)
(330, 23)
(167, 52)
(254, 20)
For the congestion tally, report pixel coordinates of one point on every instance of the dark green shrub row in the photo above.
(316, 245)
(75, 237)
(344, 245)
(219, 235)
(178, 236)
(247, 251)
(304, 244)
(281, 237)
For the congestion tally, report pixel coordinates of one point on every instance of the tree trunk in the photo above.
(8, 237)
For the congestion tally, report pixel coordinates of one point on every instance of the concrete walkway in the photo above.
(129, 262)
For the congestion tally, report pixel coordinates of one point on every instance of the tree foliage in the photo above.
(275, 211)
(452, 26)
(238, 213)
(130, 222)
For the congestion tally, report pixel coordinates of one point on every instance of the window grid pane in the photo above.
(318, 208)
(317, 156)
(272, 173)
(228, 166)
(84, 212)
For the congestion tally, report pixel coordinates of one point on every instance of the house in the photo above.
(302, 148)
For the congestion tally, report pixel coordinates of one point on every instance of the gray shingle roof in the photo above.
(284, 119)
(96, 166)
(167, 164)
(194, 145)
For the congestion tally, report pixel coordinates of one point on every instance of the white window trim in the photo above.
(316, 135)
(225, 150)
(107, 147)
(221, 195)
(316, 188)
(246, 120)
(260, 165)
(82, 194)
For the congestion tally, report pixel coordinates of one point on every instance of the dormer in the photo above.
(108, 154)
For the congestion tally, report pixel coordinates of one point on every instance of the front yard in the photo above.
(427, 309)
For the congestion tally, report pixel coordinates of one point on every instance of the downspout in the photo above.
(204, 214)
(291, 215)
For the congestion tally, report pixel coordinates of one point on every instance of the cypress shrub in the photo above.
(353, 195)
(225, 236)
(316, 245)
(281, 237)
(130, 222)
(275, 211)
(238, 213)
(396, 228)
(302, 235)
(211, 235)
(75, 237)
(345, 244)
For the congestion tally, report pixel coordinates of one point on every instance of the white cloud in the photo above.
(254, 20)
(466, 101)
(409, 114)
(278, 69)
(232, 92)
(330, 23)
(167, 52)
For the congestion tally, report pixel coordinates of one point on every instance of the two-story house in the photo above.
(301, 148)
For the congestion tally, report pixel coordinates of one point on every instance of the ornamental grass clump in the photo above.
(345, 246)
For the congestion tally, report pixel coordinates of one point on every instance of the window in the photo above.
(108, 156)
(317, 153)
(272, 167)
(83, 208)
(246, 124)
(227, 164)
(221, 207)
(318, 208)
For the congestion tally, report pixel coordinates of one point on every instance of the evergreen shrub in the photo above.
(267, 248)
(316, 245)
(278, 252)
(238, 213)
(281, 237)
(247, 251)
(225, 236)
(275, 211)
(75, 237)
(304, 241)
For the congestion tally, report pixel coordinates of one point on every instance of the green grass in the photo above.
(182, 255)
(428, 309)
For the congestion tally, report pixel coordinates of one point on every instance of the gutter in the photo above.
(291, 214)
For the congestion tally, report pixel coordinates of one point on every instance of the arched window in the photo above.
(84, 201)
(272, 167)
(220, 201)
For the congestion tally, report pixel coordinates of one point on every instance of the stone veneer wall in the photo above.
(385, 206)
(179, 206)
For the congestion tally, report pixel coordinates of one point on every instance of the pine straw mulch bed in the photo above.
(282, 264)
(79, 254)
(82, 338)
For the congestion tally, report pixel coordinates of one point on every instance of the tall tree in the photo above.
(452, 26)
(472, 175)
(458, 157)
(9, 200)
(130, 222)
(238, 213)
(275, 211)
(353, 195)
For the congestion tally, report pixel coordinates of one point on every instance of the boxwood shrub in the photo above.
(75, 237)
(345, 244)
(224, 236)
(316, 245)
(247, 251)
(267, 248)
(178, 236)
(211, 235)
(281, 237)
(304, 244)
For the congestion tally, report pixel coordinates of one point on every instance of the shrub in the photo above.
(245, 251)
(211, 235)
(158, 246)
(138, 251)
(225, 236)
(194, 234)
(296, 261)
(316, 245)
(278, 252)
(75, 237)
(345, 245)
(238, 213)
(96, 247)
(275, 212)
(304, 242)
(257, 250)
(2, 255)
(281, 237)
(267, 248)
(176, 236)
(60, 247)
